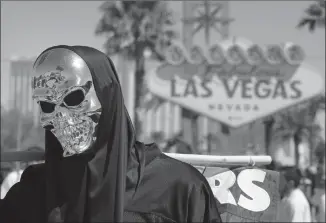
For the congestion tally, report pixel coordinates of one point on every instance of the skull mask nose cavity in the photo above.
(58, 115)
(70, 121)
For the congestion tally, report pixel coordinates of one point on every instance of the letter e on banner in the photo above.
(260, 198)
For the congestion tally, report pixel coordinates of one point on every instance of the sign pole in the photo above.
(208, 20)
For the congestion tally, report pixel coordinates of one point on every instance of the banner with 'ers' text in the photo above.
(245, 194)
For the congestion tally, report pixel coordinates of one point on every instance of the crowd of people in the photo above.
(296, 204)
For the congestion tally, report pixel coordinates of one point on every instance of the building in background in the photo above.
(20, 90)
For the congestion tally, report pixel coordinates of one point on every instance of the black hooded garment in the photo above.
(118, 180)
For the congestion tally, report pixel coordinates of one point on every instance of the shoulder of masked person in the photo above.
(174, 190)
(12, 178)
(24, 202)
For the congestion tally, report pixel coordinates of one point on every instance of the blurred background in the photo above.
(136, 34)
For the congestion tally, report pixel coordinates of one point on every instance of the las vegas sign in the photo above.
(235, 83)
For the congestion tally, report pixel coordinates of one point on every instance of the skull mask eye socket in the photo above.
(47, 107)
(74, 98)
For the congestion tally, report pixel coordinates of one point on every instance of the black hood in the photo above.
(93, 187)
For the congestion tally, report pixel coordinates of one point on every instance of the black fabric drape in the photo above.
(91, 187)
(118, 179)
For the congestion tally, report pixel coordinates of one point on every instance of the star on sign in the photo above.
(208, 18)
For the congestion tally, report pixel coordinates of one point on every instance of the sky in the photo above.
(27, 28)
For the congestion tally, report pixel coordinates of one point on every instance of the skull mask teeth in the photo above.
(70, 108)
(72, 130)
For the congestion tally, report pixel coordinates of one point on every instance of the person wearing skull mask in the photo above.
(95, 170)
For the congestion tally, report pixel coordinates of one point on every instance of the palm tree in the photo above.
(299, 123)
(181, 146)
(320, 152)
(316, 105)
(213, 142)
(268, 129)
(133, 27)
(314, 16)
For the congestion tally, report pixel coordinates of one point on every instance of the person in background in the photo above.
(318, 201)
(321, 209)
(272, 166)
(320, 216)
(12, 178)
(294, 206)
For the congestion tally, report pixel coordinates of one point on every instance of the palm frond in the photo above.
(312, 25)
(304, 22)
(314, 10)
(107, 5)
(299, 123)
(113, 9)
(314, 16)
(104, 27)
(136, 22)
(112, 45)
(148, 5)
(127, 5)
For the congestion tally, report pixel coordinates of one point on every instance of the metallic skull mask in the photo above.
(63, 87)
